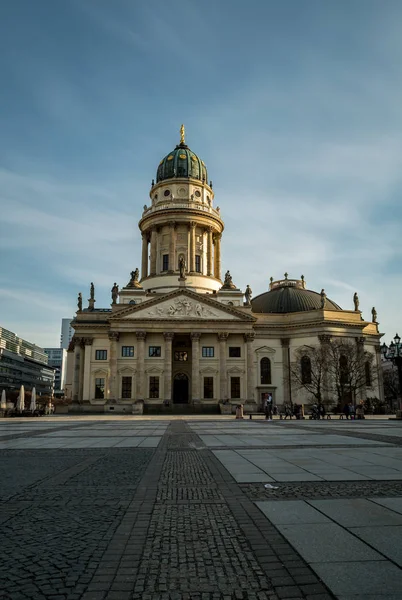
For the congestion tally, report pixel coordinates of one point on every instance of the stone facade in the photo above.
(179, 336)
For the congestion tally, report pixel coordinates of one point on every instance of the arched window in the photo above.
(265, 367)
(305, 364)
(367, 370)
(343, 369)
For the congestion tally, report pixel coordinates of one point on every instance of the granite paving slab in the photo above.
(357, 512)
(361, 580)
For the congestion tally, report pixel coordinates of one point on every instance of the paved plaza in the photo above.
(135, 508)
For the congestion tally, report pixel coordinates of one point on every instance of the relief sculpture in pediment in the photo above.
(182, 307)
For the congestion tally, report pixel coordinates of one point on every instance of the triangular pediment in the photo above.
(182, 305)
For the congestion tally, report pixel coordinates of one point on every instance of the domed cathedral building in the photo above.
(179, 336)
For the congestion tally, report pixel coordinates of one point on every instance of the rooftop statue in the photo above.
(92, 291)
(115, 293)
(248, 293)
(323, 298)
(374, 314)
(79, 302)
(356, 301)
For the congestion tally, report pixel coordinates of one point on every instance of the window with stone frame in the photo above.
(154, 351)
(234, 352)
(165, 262)
(265, 371)
(100, 354)
(208, 352)
(208, 387)
(305, 365)
(197, 263)
(235, 387)
(126, 387)
(127, 351)
(154, 387)
(99, 388)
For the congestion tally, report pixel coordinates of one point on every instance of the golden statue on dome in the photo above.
(182, 140)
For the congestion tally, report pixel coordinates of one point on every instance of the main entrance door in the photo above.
(180, 388)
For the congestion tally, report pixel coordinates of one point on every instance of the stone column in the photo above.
(167, 367)
(223, 381)
(87, 369)
(77, 367)
(195, 373)
(209, 251)
(287, 384)
(249, 338)
(362, 392)
(144, 264)
(113, 391)
(82, 364)
(172, 247)
(325, 340)
(153, 251)
(192, 246)
(218, 237)
(141, 335)
(380, 378)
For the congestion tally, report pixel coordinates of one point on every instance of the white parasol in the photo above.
(21, 400)
(33, 400)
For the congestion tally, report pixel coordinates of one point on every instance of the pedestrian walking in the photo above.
(268, 407)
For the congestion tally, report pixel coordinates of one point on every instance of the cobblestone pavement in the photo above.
(165, 523)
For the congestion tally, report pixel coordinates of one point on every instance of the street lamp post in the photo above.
(394, 354)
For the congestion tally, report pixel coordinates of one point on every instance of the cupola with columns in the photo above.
(181, 227)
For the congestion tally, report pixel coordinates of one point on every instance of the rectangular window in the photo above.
(235, 387)
(207, 352)
(165, 262)
(208, 387)
(127, 351)
(154, 351)
(181, 356)
(197, 263)
(101, 355)
(234, 352)
(154, 387)
(126, 386)
(100, 387)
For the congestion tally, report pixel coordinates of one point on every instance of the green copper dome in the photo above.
(182, 162)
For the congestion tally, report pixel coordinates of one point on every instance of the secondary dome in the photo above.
(290, 295)
(182, 162)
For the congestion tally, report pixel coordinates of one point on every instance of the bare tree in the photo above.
(308, 370)
(391, 385)
(350, 369)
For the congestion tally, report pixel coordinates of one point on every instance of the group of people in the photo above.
(353, 412)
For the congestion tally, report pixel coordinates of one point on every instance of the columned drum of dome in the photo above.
(181, 226)
(289, 296)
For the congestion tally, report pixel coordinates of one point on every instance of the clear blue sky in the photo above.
(295, 106)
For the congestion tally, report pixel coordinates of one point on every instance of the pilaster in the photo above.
(360, 353)
(380, 377)
(87, 369)
(167, 369)
(287, 382)
(217, 241)
(192, 246)
(195, 375)
(325, 340)
(141, 335)
(113, 337)
(223, 385)
(249, 339)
